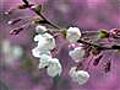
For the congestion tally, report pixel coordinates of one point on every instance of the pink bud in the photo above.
(115, 33)
(12, 22)
(16, 31)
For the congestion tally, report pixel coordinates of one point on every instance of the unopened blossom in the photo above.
(54, 67)
(79, 76)
(73, 34)
(37, 52)
(77, 54)
(115, 33)
(40, 29)
(44, 61)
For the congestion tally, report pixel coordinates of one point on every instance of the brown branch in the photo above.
(113, 47)
(40, 14)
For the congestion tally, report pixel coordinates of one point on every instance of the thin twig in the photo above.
(113, 47)
(41, 15)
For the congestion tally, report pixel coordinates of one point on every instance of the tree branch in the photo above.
(113, 47)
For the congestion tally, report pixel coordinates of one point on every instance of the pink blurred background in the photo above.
(20, 72)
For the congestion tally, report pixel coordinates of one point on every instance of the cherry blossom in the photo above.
(73, 34)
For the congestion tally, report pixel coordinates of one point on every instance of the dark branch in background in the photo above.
(97, 60)
(38, 8)
(45, 19)
(26, 2)
(15, 31)
(107, 66)
(113, 47)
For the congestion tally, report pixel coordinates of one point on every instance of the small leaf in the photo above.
(103, 34)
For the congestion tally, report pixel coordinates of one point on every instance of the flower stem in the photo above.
(41, 15)
(47, 21)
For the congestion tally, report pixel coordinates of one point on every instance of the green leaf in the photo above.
(103, 34)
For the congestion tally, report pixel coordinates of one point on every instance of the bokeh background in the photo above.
(19, 70)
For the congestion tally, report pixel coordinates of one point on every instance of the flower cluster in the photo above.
(73, 34)
(85, 48)
(46, 43)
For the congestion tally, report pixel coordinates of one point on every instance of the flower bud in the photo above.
(103, 34)
(12, 22)
(115, 33)
(16, 31)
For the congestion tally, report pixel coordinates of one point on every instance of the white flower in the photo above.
(77, 54)
(37, 52)
(45, 41)
(50, 41)
(53, 65)
(40, 29)
(83, 76)
(54, 68)
(73, 34)
(79, 76)
(39, 38)
(72, 73)
(44, 61)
